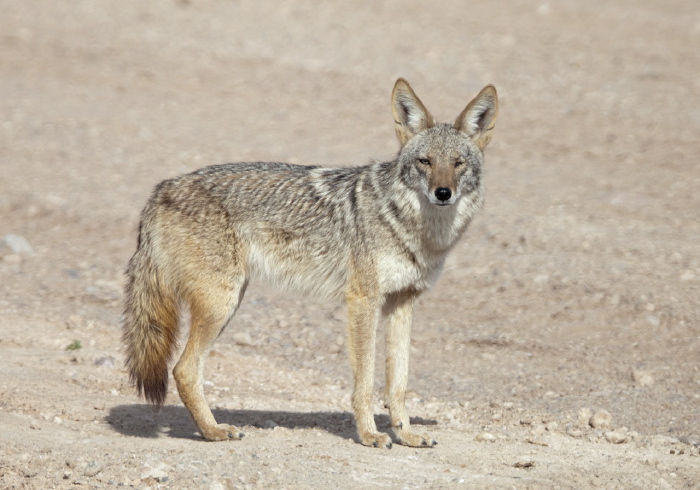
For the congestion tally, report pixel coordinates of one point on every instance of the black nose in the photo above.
(443, 193)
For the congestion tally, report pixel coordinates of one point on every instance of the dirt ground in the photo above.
(576, 289)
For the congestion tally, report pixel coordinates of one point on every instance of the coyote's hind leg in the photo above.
(211, 307)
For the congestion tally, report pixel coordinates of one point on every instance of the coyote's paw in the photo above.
(222, 432)
(376, 439)
(408, 438)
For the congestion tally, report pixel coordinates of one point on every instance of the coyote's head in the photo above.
(443, 161)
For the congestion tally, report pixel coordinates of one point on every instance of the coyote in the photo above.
(375, 235)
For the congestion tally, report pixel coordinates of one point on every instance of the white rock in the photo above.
(642, 378)
(601, 420)
(107, 361)
(691, 440)
(664, 440)
(243, 338)
(584, 416)
(687, 275)
(485, 437)
(92, 468)
(159, 473)
(18, 244)
(537, 430)
(615, 437)
(653, 320)
(634, 435)
(281, 431)
(574, 432)
(663, 483)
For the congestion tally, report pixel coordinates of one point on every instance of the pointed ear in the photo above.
(478, 119)
(410, 115)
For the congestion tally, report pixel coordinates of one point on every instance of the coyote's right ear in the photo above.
(410, 115)
(479, 117)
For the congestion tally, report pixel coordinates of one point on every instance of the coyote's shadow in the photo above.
(141, 421)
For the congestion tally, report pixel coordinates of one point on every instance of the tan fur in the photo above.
(375, 235)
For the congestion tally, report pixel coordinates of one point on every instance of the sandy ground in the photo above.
(575, 290)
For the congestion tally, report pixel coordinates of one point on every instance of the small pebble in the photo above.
(642, 378)
(601, 420)
(524, 463)
(584, 416)
(615, 437)
(243, 339)
(270, 424)
(551, 426)
(159, 473)
(485, 437)
(92, 468)
(536, 441)
(74, 321)
(574, 432)
(17, 244)
(663, 483)
(634, 435)
(281, 431)
(653, 320)
(664, 440)
(537, 430)
(107, 361)
(691, 440)
(687, 275)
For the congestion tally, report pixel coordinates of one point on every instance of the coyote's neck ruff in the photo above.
(376, 235)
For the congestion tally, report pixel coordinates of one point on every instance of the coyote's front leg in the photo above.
(399, 312)
(363, 316)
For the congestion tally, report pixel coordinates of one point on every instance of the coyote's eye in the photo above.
(458, 163)
(424, 161)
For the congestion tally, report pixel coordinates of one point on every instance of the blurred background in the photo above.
(577, 285)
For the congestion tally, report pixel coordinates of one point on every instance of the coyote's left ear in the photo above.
(410, 115)
(479, 117)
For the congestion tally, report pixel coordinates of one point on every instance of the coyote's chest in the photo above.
(418, 259)
(400, 272)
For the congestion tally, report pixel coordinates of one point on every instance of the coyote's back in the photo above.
(376, 235)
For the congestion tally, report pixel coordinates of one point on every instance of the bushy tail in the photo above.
(150, 326)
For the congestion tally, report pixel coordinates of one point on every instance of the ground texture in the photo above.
(576, 290)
